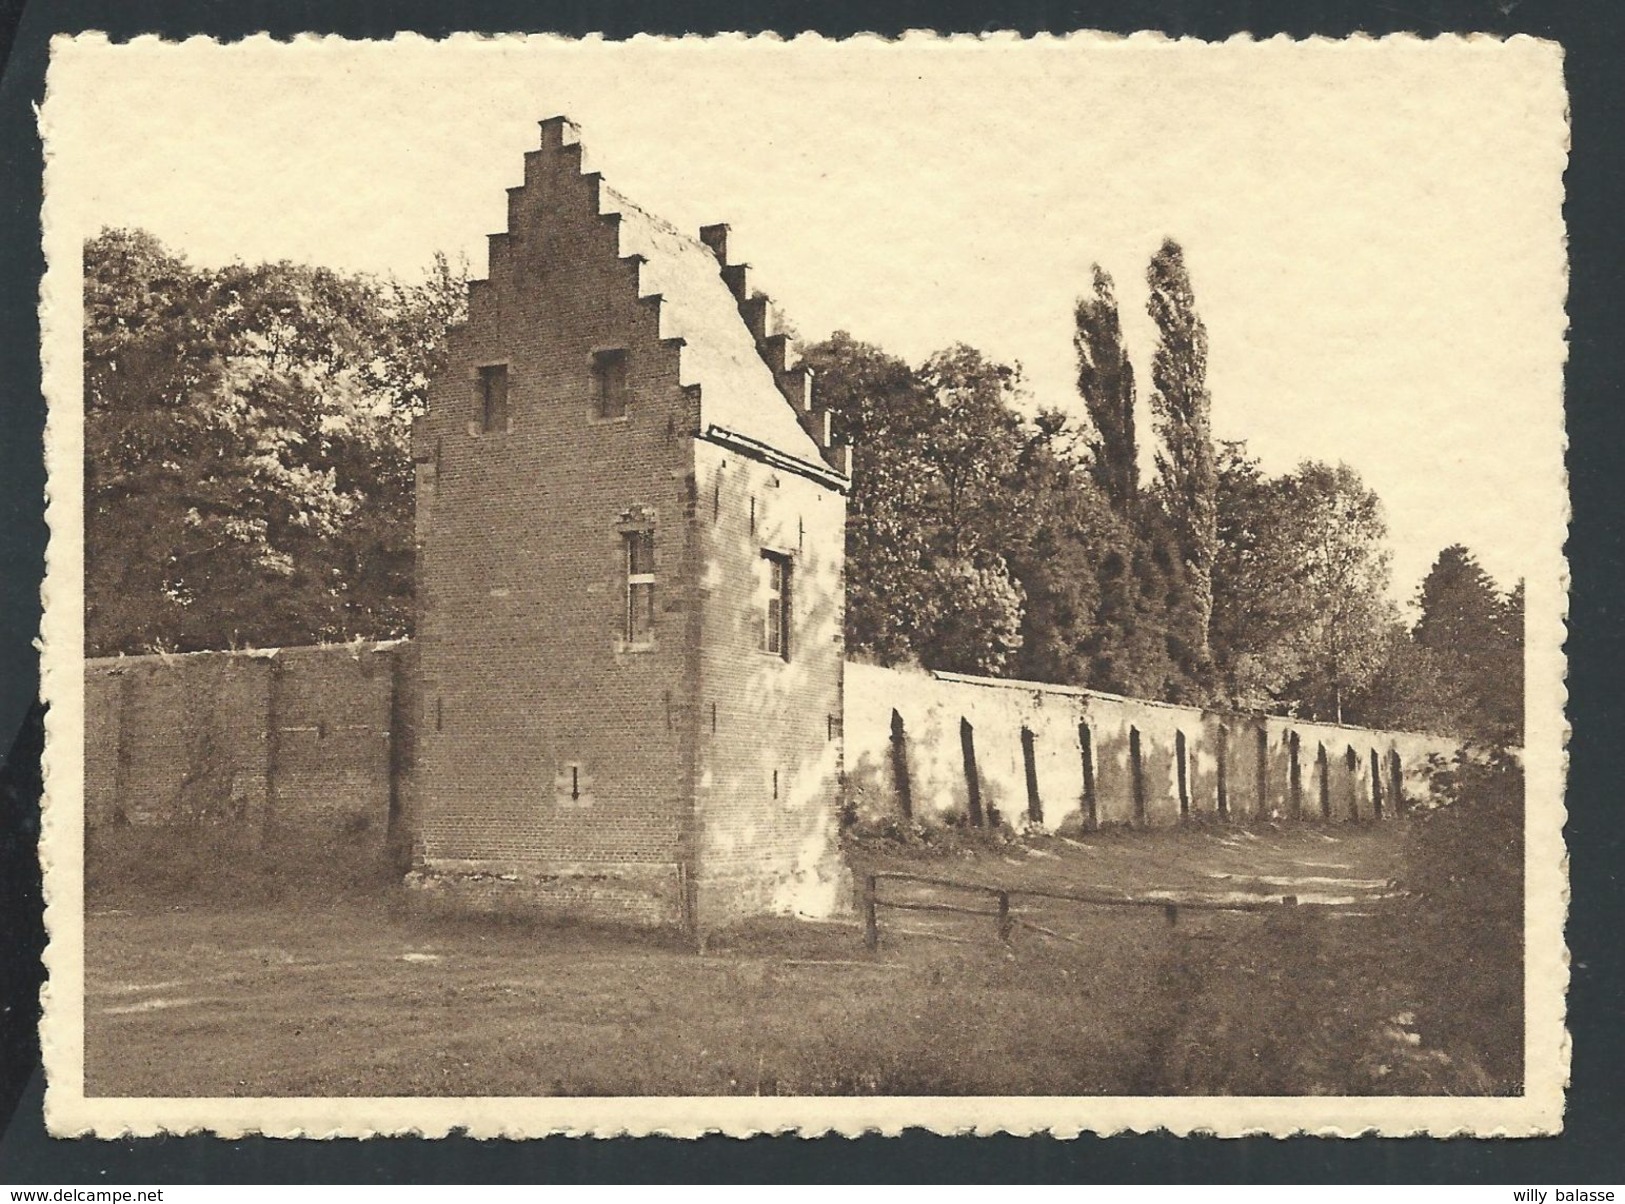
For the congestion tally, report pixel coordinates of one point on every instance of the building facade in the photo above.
(630, 529)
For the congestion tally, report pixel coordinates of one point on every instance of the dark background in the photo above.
(1591, 1149)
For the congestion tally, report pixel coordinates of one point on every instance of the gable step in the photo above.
(715, 236)
(775, 349)
(737, 277)
(793, 380)
(757, 312)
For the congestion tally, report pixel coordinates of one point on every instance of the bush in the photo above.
(1465, 852)
(1464, 863)
(951, 832)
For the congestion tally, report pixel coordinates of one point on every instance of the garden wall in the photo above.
(314, 739)
(938, 745)
(320, 739)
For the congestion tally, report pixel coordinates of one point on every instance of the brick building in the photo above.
(630, 534)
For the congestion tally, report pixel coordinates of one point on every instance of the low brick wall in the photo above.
(936, 746)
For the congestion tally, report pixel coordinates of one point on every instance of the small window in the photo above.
(640, 586)
(572, 785)
(776, 611)
(493, 399)
(609, 384)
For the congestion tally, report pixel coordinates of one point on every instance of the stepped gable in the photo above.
(682, 278)
(737, 389)
(794, 380)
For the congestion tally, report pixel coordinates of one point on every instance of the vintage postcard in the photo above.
(746, 585)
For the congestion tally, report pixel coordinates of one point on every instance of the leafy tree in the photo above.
(1158, 654)
(1187, 474)
(1411, 689)
(1301, 614)
(1146, 638)
(1464, 863)
(970, 443)
(931, 511)
(1338, 536)
(1256, 603)
(975, 623)
(1106, 384)
(414, 322)
(1068, 522)
(247, 479)
(878, 403)
(1507, 701)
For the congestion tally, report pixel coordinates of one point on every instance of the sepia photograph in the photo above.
(754, 585)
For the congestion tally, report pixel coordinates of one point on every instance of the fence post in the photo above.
(1004, 916)
(871, 923)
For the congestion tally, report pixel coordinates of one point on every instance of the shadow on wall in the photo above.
(773, 757)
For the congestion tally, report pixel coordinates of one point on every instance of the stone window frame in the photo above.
(481, 423)
(597, 361)
(632, 524)
(776, 639)
(573, 786)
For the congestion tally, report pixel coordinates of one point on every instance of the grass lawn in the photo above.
(358, 995)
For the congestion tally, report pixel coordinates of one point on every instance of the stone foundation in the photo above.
(643, 895)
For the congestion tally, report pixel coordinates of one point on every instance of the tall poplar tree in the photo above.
(1106, 383)
(1186, 465)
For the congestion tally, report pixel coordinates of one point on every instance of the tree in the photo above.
(1146, 638)
(976, 622)
(1300, 587)
(1338, 538)
(1507, 702)
(1460, 608)
(1410, 691)
(931, 509)
(970, 443)
(1475, 635)
(415, 319)
(1187, 475)
(878, 404)
(1157, 653)
(1256, 606)
(1106, 384)
(1068, 523)
(247, 479)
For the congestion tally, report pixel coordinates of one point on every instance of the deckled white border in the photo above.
(68, 1112)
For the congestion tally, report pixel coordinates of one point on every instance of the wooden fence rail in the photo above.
(1171, 907)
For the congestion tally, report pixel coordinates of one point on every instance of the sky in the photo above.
(1373, 228)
